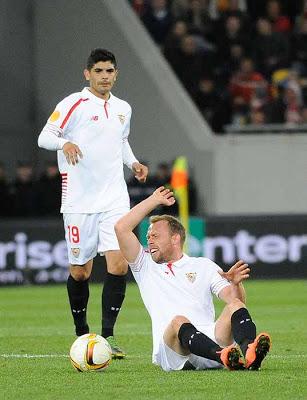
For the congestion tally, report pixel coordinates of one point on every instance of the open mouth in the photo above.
(153, 251)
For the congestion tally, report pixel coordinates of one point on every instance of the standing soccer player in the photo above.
(89, 130)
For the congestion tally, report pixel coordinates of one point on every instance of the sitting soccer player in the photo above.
(177, 292)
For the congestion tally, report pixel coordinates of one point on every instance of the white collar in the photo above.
(88, 94)
(179, 263)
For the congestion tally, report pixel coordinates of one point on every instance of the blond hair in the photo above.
(175, 226)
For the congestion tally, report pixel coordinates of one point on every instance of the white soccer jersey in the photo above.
(100, 128)
(183, 288)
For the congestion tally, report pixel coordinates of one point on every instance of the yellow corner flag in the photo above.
(179, 184)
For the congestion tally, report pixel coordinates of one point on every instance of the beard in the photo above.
(159, 258)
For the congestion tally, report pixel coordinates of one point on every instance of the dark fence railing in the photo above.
(267, 128)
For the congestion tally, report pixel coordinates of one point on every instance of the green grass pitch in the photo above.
(36, 334)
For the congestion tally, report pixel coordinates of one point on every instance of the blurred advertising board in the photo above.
(274, 246)
(34, 251)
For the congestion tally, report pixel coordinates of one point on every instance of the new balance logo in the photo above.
(94, 118)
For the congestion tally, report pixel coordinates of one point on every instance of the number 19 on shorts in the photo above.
(73, 234)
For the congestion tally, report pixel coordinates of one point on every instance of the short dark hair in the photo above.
(175, 226)
(100, 55)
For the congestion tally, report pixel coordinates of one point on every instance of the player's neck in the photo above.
(104, 96)
(175, 257)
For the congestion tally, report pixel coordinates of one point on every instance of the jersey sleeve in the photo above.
(52, 136)
(63, 114)
(140, 265)
(128, 156)
(127, 116)
(217, 281)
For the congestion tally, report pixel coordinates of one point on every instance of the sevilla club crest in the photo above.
(191, 276)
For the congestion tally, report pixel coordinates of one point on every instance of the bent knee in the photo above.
(235, 305)
(120, 267)
(79, 273)
(177, 321)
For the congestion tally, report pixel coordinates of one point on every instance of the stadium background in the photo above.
(251, 183)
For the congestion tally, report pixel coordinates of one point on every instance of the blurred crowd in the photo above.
(242, 61)
(29, 195)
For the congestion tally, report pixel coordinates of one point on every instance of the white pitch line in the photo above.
(49, 356)
(289, 356)
(33, 355)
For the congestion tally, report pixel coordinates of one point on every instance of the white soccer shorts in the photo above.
(169, 360)
(89, 234)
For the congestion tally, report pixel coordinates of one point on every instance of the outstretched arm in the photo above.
(235, 275)
(128, 242)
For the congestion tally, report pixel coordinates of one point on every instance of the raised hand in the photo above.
(164, 196)
(237, 273)
(72, 153)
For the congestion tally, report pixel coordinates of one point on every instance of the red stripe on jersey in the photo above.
(105, 109)
(169, 266)
(71, 111)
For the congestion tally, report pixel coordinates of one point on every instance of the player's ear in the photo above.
(86, 73)
(116, 75)
(176, 238)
